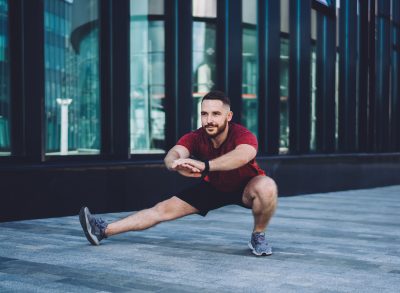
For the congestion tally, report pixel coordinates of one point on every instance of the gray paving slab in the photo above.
(333, 242)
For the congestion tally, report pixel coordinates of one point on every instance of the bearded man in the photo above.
(222, 155)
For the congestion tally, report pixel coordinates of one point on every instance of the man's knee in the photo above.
(266, 189)
(171, 209)
(163, 211)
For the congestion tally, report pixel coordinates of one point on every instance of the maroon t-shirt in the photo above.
(200, 146)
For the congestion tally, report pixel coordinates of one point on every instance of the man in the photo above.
(222, 154)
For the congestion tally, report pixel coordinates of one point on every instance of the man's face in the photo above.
(214, 117)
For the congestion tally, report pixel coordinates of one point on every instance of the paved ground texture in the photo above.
(333, 242)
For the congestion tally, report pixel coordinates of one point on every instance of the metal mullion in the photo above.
(33, 80)
(269, 75)
(325, 94)
(184, 53)
(16, 78)
(371, 78)
(363, 77)
(382, 77)
(105, 53)
(120, 78)
(178, 68)
(299, 76)
(229, 53)
(395, 102)
(347, 76)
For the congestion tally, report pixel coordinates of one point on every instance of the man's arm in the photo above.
(177, 153)
(239, 157)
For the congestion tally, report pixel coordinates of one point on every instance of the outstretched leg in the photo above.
(96, 229)
(167, 210)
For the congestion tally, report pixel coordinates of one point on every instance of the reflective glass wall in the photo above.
(204, 53)
(249, 66)
(4, 81)
(284, 79)
(72, 79)
(147, 66)
(313, 67)
(72, 98)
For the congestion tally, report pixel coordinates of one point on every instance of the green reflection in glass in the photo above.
(72, 100)
(250, 79)
(4, 82)
(284, 95)
(147, 65)
(204, 68)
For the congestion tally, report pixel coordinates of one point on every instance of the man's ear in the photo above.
(230, 116)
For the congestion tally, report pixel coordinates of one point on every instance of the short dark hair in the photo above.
(217, 95)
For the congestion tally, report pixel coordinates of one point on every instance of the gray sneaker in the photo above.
(259, 245)
(93, 227)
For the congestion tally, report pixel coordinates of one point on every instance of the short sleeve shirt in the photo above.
(200, 146)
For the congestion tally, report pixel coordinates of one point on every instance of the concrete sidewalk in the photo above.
(333, 242)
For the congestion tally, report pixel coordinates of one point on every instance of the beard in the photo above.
(220, 129)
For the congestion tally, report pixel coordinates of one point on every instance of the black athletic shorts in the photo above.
(204, 197)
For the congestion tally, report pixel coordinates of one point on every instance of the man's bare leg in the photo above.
(167, 210)
(261, 195)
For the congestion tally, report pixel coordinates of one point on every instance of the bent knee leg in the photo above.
(262, 188)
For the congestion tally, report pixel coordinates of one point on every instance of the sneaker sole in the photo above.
(86, 227)
(257, 253)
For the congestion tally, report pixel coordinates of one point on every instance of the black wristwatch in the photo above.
(206, 169)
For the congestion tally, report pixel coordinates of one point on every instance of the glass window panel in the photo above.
(4, 81)
(285, 16)
(204, 67)
(249, 67)
(313, 142)
(147, 57)
(72, 77)
(204, 8)
(146, 7)
(284, 102)
(249, 11)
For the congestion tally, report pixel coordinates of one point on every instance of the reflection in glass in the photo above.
(249, 66)
(72, 101)
(313, 78)
(284, 93)
(204, 69)
(4, 81)
(204, 8)
(313, 142)
(147, 122)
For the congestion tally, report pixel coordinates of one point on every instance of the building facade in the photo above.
(93, 93)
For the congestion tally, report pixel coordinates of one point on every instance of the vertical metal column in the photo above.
(347, 76)
(178, 72)
(120, 78)
(33, 79)
(371, 77)
(269, 75)
(299, 76)
(229, 55)
(325, 94)
(395, 103)
(105, 19)
(382, 77)
(16, 78)
(363, 62)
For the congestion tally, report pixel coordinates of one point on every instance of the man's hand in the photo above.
(194, 165)
(185, 168)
